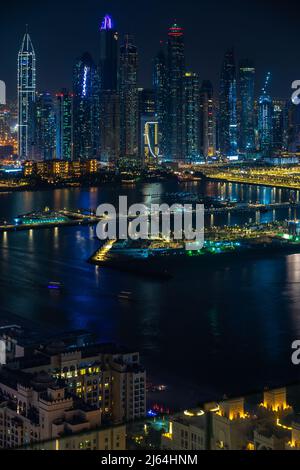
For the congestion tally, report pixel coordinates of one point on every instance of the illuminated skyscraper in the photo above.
(160, 77)
(265, 124)
(207, 120)
(128, 100)
(175, 89)
(26, 98)
(280, 125)
(265, 120)
(109, 95)
(86, 109)
(45, 127)
(64, 115)
(192, 116)
(247, 88)
(228, 129)
(294, 128)
(109, 53)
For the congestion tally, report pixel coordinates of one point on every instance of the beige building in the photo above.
(103, 439)
(186, 432)
(35, 408)
(103, 376)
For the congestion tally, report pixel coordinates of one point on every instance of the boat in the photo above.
(124, 295)
(52, 285)
(45, 217)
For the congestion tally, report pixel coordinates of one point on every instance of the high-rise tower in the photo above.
(192, 115)
(247, 88)
(109, 52)
(207, 120)
(128, 99)
(86, 126)
(228, 129)
(109, 95)
(160, 77)
(175, 90)
(26, 98)
(45, 127)
(265, 120)
(64, 128)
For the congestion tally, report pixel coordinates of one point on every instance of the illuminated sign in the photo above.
(107, 23)
(84, 85)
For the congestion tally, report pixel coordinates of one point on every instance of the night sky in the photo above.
(267, 31)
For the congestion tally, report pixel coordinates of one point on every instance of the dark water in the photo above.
(213, 329)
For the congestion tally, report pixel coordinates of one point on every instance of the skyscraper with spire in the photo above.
(26, 98)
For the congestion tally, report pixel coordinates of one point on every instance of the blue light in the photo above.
(107, 23)
(84, 85)
(151, 414)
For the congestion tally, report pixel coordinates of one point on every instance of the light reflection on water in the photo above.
(213, 327)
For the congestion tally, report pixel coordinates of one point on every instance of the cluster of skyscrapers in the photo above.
(108, 117)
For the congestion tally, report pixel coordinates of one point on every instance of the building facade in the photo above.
(265, 124)
(160, 78)
(247, 96)
(26, 98)
(175, 95)
(86, 109)
(192, 116)
(109, 93)
(228, 126)
(207, 120)
(64, 125)
(128, 100)
(44, 127)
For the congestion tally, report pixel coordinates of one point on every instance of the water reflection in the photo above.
(213, 324)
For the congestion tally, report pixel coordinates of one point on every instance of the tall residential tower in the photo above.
(207, 120)
(247, 89)
(109, 95)
(160, 93)
(129, 99)
(86, 112)
(228, 128)
(175, 90)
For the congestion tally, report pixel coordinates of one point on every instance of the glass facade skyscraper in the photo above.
(109, 95)
(247, 90)
(109, 52)
(128, 99)
(265, 124)
(86, 108)
(64, 123)
(160, 93)
(175, 90)
(280, 125)
(207, 120)
(228, 127)
(192, 116)
(26, 98)
(45, 127)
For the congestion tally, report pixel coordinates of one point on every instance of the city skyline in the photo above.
(204, 59)
(108, 107)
